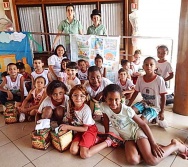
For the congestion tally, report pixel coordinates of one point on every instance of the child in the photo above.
(99, 63)
(81, 121)
(136, 65)
(35, 97)
(62, 74)
(72, 79)
(27, 77)
(55, 104)
(12, 86)
(164, 68)
(82, 72)
(139, 141)
(153, 90)
(127, 65)
(39, 71)
(125, 83)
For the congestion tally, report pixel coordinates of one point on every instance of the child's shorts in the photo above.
(148, 113)
(88, 138)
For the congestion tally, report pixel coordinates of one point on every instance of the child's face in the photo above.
(12, 70)
(83, 66)
(60, 51)
(113, 100)
(136, 57)
(38, 64)
(58, 94)
(126, 66)
(63, 65)
(149, 66)
(39, 83)
(98, 63)
(161, 53)
(95, 78)
(78, 98)
(123, 75)
(22, 71)
(71, 72)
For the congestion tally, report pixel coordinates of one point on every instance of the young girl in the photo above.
(12, 86)
(55, 104)
(139, 141)
(35, 97)
(125, 83)
(99, 63)
(81, 120)
(62, 74)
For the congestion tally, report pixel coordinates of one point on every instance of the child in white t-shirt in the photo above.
(82, 71)
(62, 74)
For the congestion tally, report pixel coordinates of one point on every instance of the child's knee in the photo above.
(133, 160)
(47, 112)
(59, 111)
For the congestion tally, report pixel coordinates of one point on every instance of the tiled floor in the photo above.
(16, 151)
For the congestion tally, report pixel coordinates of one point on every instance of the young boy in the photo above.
(94, 86)
(99, 63)
(72, 79)
(127, 66)
(153, 90)
(39, 71)
(82, 72)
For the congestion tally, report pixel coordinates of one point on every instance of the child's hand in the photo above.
(157, 150)
(10, 95)
(161, 116)
(63, 127)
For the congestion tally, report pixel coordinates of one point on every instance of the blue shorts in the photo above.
(148, 113)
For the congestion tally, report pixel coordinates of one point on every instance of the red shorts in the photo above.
(86, 139)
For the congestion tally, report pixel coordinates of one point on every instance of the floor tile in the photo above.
(2, 121)
(29, 165)
(17, 130)
(3, 139)
(65, 159)
(24, 144)
(106, 162)
(11, 156)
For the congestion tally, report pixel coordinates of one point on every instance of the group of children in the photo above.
(71, 99)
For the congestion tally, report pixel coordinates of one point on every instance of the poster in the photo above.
(87, 46)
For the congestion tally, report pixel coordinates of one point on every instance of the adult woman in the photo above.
(54, 61)
(68, 26)
(97, 28)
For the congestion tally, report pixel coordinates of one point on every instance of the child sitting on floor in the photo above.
(82, 72)
(62, 74)
(99, 64)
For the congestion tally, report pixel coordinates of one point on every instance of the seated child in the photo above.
(138, 139)
(153, 90)
(35, 97)
(99, 63)
(11, 89)
(39, 71)
(125, 83)
(62, 74)
(55, 104)
(82, 72)
(126, 65)
(72, 79)
(81, 121)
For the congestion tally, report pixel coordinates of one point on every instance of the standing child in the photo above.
(99, 63)
(82, 122)
(164, 68)
(139, 141)
(125, 83)
(136, 65)
(55, 104)
(127, 66)
(153, 90)
(35, 97)
(39, 71)
(72, 79)
(12, 86)
(62, 74)
(82, 72)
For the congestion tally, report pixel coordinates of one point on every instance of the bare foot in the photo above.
(182, 148)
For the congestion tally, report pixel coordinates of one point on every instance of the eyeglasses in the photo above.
(76, 96)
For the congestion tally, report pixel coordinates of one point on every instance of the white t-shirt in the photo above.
(164, 69)
(55, 61)
(82, 75)
(44, 74)
(48, 102)
(136, 67)
(82, 117)
(122, 122)
(127, 86)
(63, 76)
(104, 82)
(151, 90)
